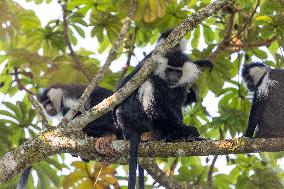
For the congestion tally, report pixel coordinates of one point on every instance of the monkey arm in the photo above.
(256, 112)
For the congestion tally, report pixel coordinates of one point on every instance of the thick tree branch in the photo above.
(56, 142)
(68, 42)
(102, 71)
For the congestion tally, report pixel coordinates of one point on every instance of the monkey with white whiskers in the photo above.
(266, 117)
(156, 105)
(58, 99)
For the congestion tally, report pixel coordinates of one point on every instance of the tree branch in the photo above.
(130, 53)
(102, 71)
(39, 113)
(56, 142)
(160, 176)
(68, 42)
(266, 42)
(210, 172)
(226, 40)
(19, 83)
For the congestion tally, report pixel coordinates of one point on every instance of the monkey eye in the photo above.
(46, 102)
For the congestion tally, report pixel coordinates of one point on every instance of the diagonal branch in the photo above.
(68, 42)
(130, 53)
(40, 113)
(102, 71)
(19, 83)
(226, 39)
(160, 176)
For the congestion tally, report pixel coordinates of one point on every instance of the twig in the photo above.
(266, 42)
(68, 42)
(102, 71)
(173, 167)
(19, 83)
(226, 39)
(40, 113)
(210, 172)
(248, 20)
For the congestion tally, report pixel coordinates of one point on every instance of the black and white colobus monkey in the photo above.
(156, 105)
(57, 100)
(266, 114)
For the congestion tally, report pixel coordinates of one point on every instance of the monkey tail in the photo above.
(24, 178)
(133, 153)
(140, 177)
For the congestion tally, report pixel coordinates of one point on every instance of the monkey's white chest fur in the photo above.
(146, 96)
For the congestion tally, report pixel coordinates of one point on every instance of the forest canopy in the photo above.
(33, 56)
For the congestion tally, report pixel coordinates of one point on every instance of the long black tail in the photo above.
(133, 153)
(24, 178)
(140, 177)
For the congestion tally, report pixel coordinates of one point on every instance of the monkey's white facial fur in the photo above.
(55, 96)
(190, 73)
(257, 73)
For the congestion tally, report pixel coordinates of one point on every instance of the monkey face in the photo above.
(50, 99)
(249, 83)
(253, 74)
(173, 75)
(49, 108)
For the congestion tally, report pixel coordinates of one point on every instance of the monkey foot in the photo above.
(103, 145)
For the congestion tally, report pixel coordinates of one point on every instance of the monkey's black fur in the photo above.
(156, 106)
(267, 107)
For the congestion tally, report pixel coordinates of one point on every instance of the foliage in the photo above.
(33, 56)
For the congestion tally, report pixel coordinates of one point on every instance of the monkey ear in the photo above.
(204, 64)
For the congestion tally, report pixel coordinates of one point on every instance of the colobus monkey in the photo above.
(266, 114)
(57, 100)
(156, 105)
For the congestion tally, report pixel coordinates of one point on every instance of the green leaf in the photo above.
(196, 36)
